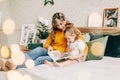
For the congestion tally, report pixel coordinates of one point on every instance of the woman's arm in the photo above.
(48, 42)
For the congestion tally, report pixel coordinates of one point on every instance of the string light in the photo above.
(8, 26)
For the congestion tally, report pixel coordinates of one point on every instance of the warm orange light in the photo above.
(8, 26)
(15, 48)
(5, 52)
(14, 75)
(1, 0)
(29, 63)
(18, 58)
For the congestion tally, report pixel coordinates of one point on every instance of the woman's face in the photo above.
(60, 24)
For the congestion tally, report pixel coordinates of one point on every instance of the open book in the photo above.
(57, 56)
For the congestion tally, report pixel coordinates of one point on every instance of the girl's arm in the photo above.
(81, 56)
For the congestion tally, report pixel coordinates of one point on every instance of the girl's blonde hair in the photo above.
(59, 16)
(73, 31)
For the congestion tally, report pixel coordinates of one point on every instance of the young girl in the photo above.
(77, 46)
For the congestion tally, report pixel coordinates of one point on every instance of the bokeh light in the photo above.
(1, 0)
(5, 53)
(14, 75)
(8, 26)
(15, 48)
(18, 58)
(27, 77)
(29, 63)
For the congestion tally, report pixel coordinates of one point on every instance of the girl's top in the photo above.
(77, 46)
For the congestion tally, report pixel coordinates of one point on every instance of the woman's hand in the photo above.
(50, 48)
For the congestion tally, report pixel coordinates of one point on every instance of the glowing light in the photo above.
(8, 26)
(29, 63)
(27, 77)
(18, 58)
(5, 52)
(14, 75)
(15, 48)
(1, 0)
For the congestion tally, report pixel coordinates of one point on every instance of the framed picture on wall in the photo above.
(111, 17)
(24, 32)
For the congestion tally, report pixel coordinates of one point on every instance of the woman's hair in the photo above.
(72, 31)
(58, 16)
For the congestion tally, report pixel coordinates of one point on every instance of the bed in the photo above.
(107, 68)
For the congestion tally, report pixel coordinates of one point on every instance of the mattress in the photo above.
(106, 69)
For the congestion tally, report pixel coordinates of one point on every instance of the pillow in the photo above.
(113, 46)
(34, 45)
(97, 48)
(86, 36)
(95, 35)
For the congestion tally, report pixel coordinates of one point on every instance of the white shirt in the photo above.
(77, 46)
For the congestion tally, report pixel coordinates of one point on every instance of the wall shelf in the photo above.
(100, 29)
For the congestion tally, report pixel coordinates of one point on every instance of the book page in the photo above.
(57, 56)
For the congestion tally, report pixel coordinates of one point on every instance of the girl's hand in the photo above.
(82, 57)
(50, 48)
(68, 49)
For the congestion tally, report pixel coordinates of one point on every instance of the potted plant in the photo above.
(43, 28)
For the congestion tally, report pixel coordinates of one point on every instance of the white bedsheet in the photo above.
(106, 69)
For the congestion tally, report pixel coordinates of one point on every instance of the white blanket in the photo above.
(106, 69)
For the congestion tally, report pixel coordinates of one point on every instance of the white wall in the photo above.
(27, 11)
(77, 11)
(4, 9)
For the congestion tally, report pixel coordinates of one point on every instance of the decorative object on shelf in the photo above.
(30, 37)
(24, 33)
(49, 1)
(95, 20)
(43, 29)
(111, 17)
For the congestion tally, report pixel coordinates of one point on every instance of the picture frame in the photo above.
(30, 37)
(111, 17)
(24, 32)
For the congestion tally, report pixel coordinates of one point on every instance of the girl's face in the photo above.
(70, 38)
(60, 24)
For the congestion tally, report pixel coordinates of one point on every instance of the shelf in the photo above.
(100, 29)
